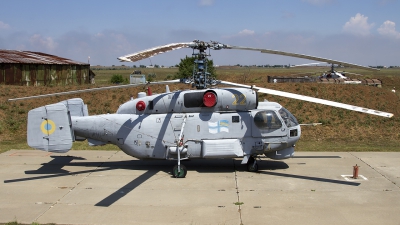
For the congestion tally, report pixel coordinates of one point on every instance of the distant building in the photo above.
(137, 79)
(41, 69)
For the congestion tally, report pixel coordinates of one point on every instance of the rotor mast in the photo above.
(201, 77)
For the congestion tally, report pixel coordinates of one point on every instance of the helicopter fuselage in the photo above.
(234, 124)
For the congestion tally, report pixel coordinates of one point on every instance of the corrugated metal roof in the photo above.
(13, 56)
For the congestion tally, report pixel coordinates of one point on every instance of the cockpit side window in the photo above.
(267, 120)
(289, 119)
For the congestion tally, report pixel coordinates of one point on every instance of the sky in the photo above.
(365, 32)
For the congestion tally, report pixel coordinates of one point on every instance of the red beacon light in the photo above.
(209, 99)
(140, 105)
(149, 93)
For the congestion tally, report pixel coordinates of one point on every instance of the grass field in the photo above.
(342, 130)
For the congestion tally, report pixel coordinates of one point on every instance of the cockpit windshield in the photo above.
(267, 120)
(289, 119)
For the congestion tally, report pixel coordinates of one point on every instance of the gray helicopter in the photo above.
(204, 123)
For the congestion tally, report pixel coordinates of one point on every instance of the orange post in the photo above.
(355, 171)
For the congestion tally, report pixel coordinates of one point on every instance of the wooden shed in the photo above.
(40, 69)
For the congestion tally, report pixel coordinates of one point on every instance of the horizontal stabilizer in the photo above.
(49, 128)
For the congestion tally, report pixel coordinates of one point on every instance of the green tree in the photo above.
(186, 68)
(151, 77)
(117, 79)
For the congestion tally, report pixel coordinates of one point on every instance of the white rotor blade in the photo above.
(307, 64)
(92, 89)
(312, 99)
(153, 51)
(344, 72)
(235, 84)
(330, 61)
(169, 47)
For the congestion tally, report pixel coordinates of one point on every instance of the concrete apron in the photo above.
(109, 187)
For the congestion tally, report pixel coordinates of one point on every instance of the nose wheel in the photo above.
(252, 165)
(179, 172)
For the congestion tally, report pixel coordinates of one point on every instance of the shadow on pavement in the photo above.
(55, 168)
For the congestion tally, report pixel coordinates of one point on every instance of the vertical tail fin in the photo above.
(49, 128)
(76, 107)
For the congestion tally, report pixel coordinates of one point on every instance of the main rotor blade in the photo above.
(314, 100)
(307, 64)
(330, 61)
(92, 89)
(344, 72)
(153, 51)
(217, 46)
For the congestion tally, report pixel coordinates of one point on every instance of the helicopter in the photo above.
(204, 123)
(332, 73)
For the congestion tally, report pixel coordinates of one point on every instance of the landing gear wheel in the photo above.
(180, 174)
(252, 165)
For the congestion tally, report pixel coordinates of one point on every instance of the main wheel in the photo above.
(180, 174)
(252, 166)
